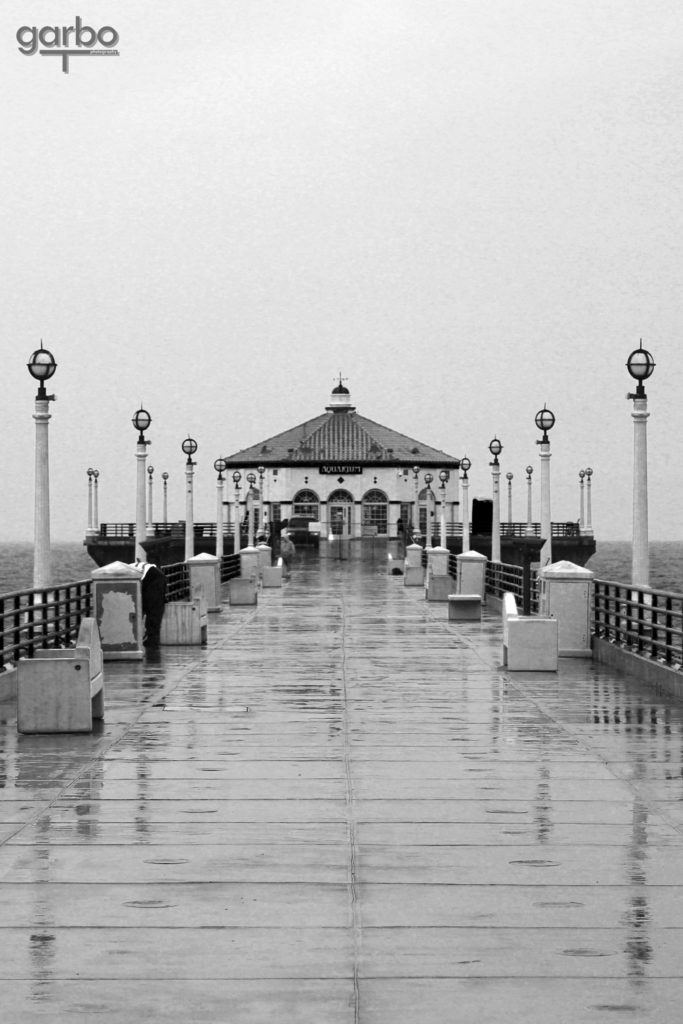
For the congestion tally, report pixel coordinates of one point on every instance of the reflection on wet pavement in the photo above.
(343, 809)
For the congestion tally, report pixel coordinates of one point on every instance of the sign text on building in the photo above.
(335, 468)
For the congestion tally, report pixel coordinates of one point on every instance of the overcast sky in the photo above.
(470, 208)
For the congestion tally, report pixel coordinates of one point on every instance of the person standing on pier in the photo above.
(153, 603)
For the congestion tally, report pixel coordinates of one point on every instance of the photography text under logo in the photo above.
(77, 40)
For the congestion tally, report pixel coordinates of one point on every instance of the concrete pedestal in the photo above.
(205, 580)
(472, 574)
(566, 591)
(117, 608)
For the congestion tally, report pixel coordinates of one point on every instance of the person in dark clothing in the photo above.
(153, 602)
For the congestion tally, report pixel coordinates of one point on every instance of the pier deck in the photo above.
(344, 810)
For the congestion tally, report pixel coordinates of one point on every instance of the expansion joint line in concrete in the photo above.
(351, 815)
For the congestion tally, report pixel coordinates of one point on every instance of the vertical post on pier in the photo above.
(640, 365)
(529, 512)
(141, 422)
(495, 448)
(509, 478)
(164, 477)
(582, 519)
(150, 501)
(42, 366)
(237, 476)
(465, 464)
(90, 489)
(443, 477)
(416, 504)
(96, 506)
(220, 465)
(589, 521)
(189, 447)
(545, 420)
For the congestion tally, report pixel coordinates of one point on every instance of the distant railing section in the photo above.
(230, 567)
(42, 618)
(173, 530)
(502, 578)
(518, 530)
(640, 620)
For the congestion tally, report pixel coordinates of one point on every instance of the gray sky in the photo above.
(469, 208)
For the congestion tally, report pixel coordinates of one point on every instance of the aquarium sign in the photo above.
(333, 468)
(77, 40)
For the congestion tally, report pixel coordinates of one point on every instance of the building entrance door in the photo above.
(340, 520)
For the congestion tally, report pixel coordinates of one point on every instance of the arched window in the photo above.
(339, 496)
(307, 505)
(375, 512)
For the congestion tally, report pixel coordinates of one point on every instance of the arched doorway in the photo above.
(340, 513)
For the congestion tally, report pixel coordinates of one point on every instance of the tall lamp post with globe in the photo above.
(465, 465)
(495, 448)
(545, 421)
(189, 447)
(141, 422)
(220, 465)
(640, 365)
(42, 366)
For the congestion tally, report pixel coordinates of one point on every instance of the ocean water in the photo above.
(612, 561)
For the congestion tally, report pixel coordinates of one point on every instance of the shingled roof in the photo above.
(341, 435)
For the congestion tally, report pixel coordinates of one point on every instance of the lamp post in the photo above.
(589, 523)
(96, 506)
(430, 500)
(189, 447)
(164, 477)
(582, 474)
(261, 470)
(416, 516)
(220, 465)
(41, 366)
(509, 477)
(495, 448)
(251, 480)
(150, 501)
(529, 517)
(90, 487)
(545, 421)
(465, 465)
(443, 477)
(640, 365)
(141, 422)
(237, 476)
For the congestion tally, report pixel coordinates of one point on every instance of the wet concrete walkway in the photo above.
(343, 810)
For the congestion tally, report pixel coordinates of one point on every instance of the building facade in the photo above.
(341, 474)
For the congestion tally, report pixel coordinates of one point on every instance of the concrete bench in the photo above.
(242, 590)
(464, 607)
(184, 622)
(271, 575)
(62, 690)
(530, 642)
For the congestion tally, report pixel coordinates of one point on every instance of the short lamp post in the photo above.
(189, 447)
(495, 448)
(251, 480)
(261, 470)
(582, 523)
(164, 477)
(91, 529)
(220, 465)
(529, 511)
(416, 504)
(465, 465)
(141, 422)
(430, 503)
(640, 365)
(150, 501)
(42, 366)
(589, 520)
(96, 504)
(545, 421)
(443, 477)
(236, 477)
(509, 477)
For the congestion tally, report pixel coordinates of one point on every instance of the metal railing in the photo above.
(174, 530)
(42, 618)
(177, 581)
(503, 578)
(640, 620)
(230, 567)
